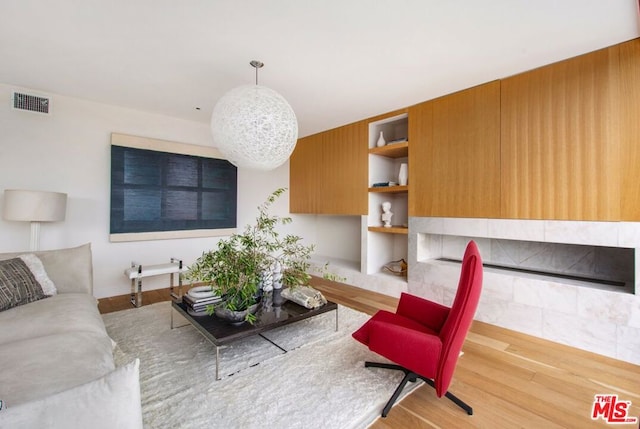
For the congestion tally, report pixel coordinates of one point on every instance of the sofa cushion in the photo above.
(38, 367)
(112, 401)
(18, 285)
(70, 269)
(62, 313)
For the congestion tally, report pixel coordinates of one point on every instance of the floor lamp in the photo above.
(34, 207)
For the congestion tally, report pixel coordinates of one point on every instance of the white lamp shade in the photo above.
(34, 206)
(254, 127)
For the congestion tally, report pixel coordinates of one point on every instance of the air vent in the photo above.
(31, 103)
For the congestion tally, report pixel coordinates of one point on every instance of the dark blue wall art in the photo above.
(154, 191)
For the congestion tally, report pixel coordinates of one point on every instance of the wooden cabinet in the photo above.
(454, 166)
(559, 140)
(343, 172)
(328, 172)
(629, 102)
(567, 146)
(421, 135)
(304, 175)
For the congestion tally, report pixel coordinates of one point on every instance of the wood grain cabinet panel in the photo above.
(343, 171)
(560, 148)
(422, 155)
(455, 154)
(328, 172)
(629, 102)
(304, 175)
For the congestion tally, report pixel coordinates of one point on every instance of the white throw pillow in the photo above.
(37, 269)
(112, 401)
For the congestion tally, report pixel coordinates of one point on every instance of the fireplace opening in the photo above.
(610, 268)
(616, 283)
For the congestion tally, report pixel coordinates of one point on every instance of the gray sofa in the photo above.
(52, 346)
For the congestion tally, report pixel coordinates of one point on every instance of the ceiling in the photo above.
(335, 61)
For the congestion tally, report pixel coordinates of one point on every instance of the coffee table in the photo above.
(221, 333)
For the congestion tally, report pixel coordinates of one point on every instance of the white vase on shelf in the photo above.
(381, 141)
(403, 175)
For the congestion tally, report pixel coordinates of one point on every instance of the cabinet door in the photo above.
(421, 156)
(328, 172)
(455, 154)
(559, 147)
(343, 171)
(629, 102)
(304, 176)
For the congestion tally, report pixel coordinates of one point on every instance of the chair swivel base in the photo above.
(410, 376)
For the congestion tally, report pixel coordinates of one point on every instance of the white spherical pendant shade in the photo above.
(254, 127)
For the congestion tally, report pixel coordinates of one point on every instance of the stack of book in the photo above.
(198, 306)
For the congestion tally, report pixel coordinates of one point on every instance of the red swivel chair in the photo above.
(424, 338)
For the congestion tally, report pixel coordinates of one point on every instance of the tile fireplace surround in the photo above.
(600, 318)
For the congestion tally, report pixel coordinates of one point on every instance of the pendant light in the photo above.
(254, 127)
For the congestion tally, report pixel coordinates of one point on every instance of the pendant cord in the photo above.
(256, 64)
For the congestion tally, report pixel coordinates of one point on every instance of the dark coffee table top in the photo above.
(269, 317)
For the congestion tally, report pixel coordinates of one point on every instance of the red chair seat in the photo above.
(410, 347)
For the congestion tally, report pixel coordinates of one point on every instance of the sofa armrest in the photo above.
(71, 269)
(112, 401)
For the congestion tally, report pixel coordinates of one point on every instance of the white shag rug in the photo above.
(320, 382)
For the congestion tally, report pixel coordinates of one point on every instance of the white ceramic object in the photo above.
(403, 175)
(386, 214)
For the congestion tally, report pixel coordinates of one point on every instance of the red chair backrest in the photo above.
(455, 328)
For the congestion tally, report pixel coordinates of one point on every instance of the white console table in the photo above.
(138, 271)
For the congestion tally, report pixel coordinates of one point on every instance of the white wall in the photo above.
(69, 151)
(338, 237)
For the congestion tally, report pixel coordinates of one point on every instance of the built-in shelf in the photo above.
(392, 150)
(390, 189)
(381, 245)
(395, 229)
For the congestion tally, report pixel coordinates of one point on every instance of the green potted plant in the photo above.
(238, 265)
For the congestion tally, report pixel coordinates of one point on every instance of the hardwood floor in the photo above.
(511, 380)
